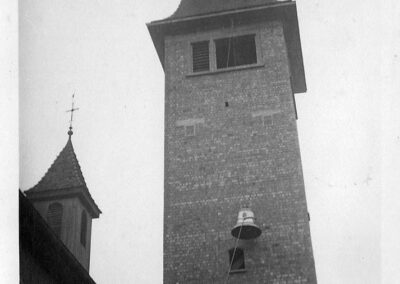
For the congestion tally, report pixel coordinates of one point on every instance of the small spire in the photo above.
(70, 132)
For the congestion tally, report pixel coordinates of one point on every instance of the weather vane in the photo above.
(72, 114)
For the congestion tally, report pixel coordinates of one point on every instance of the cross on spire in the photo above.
(72, 115)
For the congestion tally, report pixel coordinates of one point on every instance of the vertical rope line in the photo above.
(229, 51)
(229, 44)
(241, 226)
(234, 252)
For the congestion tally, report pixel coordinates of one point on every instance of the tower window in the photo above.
(201, 60)
(267, 120)
(54, 217)
(190, 130)
(236, 51)
(236, 260)
(83, 228)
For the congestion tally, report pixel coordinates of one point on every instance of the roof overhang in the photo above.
(284, 11)
(79, 192)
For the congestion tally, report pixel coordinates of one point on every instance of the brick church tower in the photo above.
(232, 68)
(62, 198)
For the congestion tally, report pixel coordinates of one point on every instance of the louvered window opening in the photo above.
(54, 217)
(201, 56)
(83, 228)
(236, 51)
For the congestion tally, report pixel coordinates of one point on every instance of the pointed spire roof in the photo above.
(64, 178)
(65, 172)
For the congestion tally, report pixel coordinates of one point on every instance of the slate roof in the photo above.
(64, 177)
(190, 8)
(65, 172)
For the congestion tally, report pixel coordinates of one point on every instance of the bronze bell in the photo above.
(245, 228)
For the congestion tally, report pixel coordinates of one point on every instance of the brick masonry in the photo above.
(244, 152)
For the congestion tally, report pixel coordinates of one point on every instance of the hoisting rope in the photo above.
(229, 45)
(241, 226)
(234, 252)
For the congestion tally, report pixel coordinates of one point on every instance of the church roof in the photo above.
(190, 8)
(64, 178)
(65, 172)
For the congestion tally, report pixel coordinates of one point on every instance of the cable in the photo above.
(229, 45)
(234, 252)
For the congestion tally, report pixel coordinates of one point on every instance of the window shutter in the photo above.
(54, 217)
(201, 60)
(83, 228)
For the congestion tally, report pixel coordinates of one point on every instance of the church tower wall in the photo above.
(231, 142)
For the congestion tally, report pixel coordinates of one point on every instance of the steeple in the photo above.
(231, 144)
(64, 177)
(63, 199)
(65, 172)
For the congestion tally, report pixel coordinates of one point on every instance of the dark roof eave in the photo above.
(284, 10)
(79, 192)
(222, 13)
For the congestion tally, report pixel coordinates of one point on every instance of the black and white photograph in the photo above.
(200, 141)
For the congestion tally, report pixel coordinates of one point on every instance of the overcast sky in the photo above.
(102, 51)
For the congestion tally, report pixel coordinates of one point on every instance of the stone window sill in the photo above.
(237, 271)
(224, 70)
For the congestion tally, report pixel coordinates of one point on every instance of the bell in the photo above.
(245, 228)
